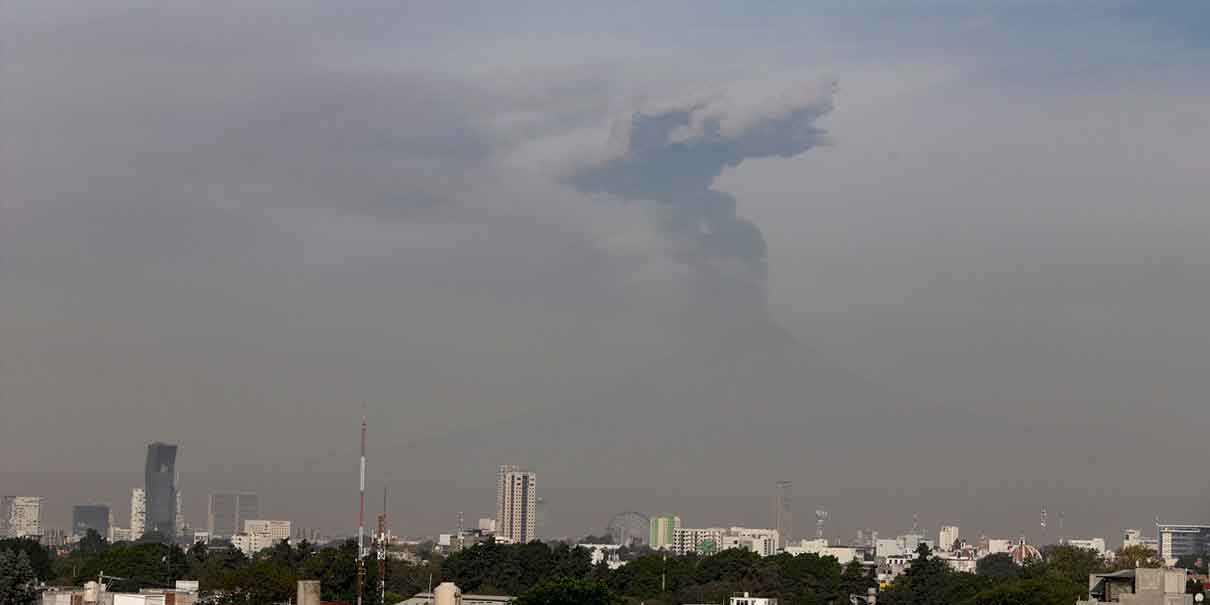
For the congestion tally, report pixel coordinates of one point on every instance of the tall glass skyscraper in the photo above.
(160, 490)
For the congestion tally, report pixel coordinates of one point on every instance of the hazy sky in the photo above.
(936, 257)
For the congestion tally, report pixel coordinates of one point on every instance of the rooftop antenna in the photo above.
(461, 532)
(361, 517)
(1043, 524)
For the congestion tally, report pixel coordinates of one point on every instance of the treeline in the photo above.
(542, 572)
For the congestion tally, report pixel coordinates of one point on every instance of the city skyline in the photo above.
(938, 258)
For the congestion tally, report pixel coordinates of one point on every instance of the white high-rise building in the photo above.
(946, 537)
(179, 521)
(516, 504)
(21, 516)
(138, 513)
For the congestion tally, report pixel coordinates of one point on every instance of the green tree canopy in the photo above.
(1130, 557)
(568, 591)
(17, 579)
(1074, 564)
(998, 566)
(39, 557)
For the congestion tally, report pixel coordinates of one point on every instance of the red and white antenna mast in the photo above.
(361, 519)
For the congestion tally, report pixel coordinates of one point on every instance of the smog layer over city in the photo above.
(811, 277)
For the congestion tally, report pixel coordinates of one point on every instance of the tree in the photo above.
(930, 581)
(856, 580)
(1074, 564)
(1130, 557)
(92, 544)
(39, 557)
(567, 591)
(1194, 563)
(17, 580)
(1032, 592)
(998, 566)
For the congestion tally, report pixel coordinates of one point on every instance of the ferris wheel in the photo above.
(629, 528)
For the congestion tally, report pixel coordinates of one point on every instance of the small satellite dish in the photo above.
(1199, 597)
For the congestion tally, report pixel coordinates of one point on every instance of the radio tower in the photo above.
(383, 540)
(361, 519)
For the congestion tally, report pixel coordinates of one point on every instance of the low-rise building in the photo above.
(888, 548)
(707, 541)
(745, 598)
(1096, 545)
(1139, 586)
(604, 553)
(250, 544)
(685, 540)
(820, 546)
(277, 529)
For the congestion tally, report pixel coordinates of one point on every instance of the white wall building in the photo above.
(747, 599)
(179, 521)
(997, 546)
(274, 529)
(250, 544)
(947, 537)
(705, 541)
(138, 513)
(607, 553)
(820, 546)
(764, 542)
(960, 562)
(21, 516)
(888, 548)
(1094, 544)
(516, 504)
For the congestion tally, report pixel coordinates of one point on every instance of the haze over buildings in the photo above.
(664, 255)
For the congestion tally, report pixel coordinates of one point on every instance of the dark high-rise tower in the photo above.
(90, 516)
(161, 490)
(228, 511)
